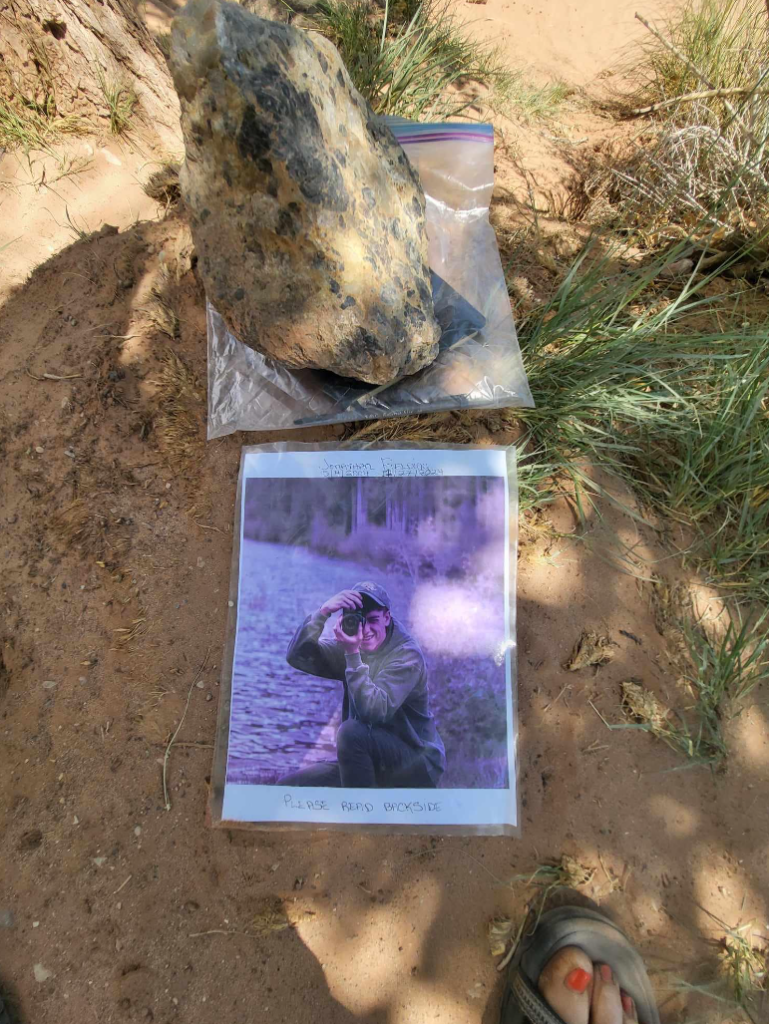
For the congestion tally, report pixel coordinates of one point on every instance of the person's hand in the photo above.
(350, 644)
(347, 599)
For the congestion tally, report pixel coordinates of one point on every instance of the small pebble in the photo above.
(76, 820)
(49, 684)
(40, 450)
(35, 924)
(230, 604)
(6, 919)
(201, 563)
(209, 696)
(69, 453)
(138, 830)
(82, 679)
(41, 974)
(168, 487)
(99, 861)
(200, 684)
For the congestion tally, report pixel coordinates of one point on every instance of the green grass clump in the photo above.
(743, 970)
(411, 62)
(567, 872)
(724, 672)
(724, 40)
(740, 984)
(121, 99)
(535, 103)
(666, 385)
(745, 963)
(26, 128)
(708, 93)
(719, 673)
(29, 113)
(649, 385)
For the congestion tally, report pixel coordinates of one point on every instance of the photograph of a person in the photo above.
(372, 648)
(388, 736)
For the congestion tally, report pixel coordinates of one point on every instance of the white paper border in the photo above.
(492, 809)
(391, 463)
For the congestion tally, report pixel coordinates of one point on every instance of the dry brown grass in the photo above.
(128, 638)
(82, 526)
(270, 917)
(590, 649)
(564, 873)
(161, 315)
(671, 606)
(163, 184)
(201, 516)
(641, 705)
(180, 399)
(463, 427)
(501, 931)
(152, 701)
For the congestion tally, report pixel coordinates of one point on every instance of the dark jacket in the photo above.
(386, 687)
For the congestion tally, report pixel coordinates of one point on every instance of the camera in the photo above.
(351, 621)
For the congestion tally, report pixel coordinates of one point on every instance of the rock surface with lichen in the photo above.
(308, 220)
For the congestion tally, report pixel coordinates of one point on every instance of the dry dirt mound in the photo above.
(116, 521)
(116, 555)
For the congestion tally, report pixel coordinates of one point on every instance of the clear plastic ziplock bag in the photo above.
(368, 681)
(479, 364)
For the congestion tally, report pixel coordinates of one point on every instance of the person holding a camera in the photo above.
(388, 738)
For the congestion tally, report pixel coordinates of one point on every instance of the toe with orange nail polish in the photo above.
(578, 980)
(627, 1004)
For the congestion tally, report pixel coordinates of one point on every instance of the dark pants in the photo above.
(367, 757)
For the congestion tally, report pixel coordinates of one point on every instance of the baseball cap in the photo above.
(374, 591)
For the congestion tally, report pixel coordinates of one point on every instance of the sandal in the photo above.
(601, 940)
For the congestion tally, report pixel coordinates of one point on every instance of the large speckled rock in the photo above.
(308, 220)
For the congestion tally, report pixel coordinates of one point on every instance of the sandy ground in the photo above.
(562, 40)
(49, 200)
(116, 544)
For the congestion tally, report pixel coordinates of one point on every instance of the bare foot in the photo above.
(566, 984)
(606, 1006)
(581, 992)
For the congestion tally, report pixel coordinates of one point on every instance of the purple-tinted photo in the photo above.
(371, 634)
